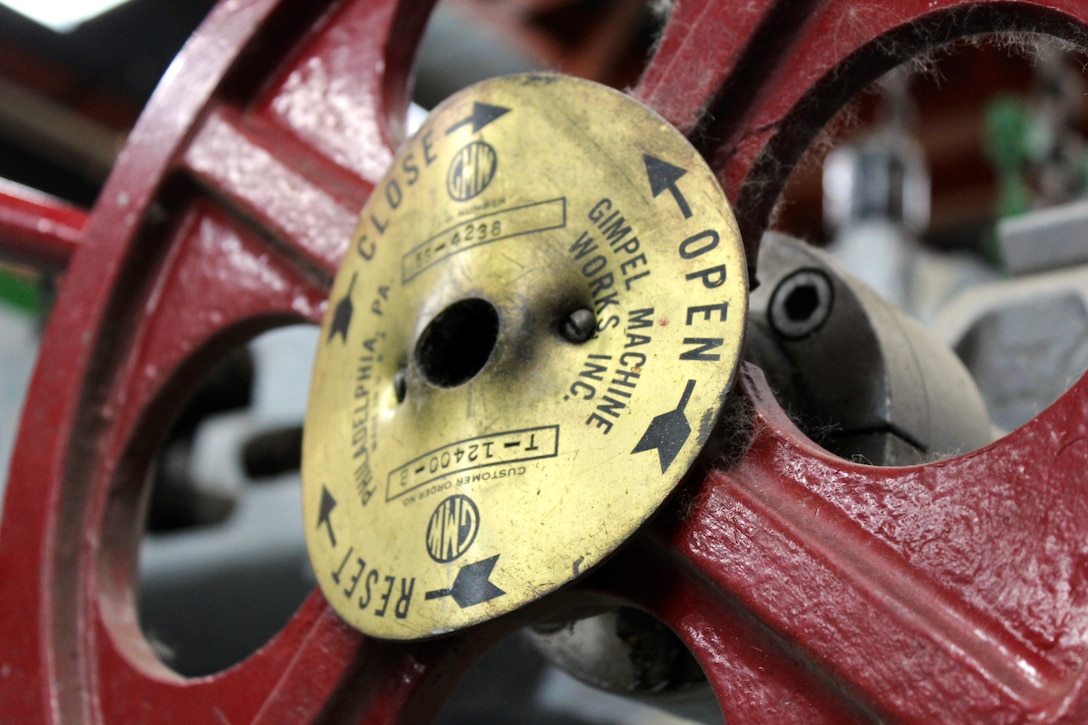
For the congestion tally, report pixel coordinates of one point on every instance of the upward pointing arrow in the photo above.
(662, 176)
(482, 114)
(328, 503)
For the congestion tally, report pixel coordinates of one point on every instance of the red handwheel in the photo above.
(809, 589)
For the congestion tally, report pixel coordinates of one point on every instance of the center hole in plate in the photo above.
(457, 343)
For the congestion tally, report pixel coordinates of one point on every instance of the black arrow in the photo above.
(662, 176)
(341, 319)
(471, 585)
(328, 503)
(668, 431)
(482, 114)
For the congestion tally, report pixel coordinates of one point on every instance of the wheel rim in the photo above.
(809, 589)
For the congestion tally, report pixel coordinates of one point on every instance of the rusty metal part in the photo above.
(809, 588)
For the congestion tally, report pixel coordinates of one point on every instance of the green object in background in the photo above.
(19, 291)
(1007, 122)
(1010, 145)
(1023, 143)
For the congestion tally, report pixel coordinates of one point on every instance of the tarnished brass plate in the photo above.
(526, 347)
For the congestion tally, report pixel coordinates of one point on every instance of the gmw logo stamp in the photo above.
(471, 171)
(452, 528)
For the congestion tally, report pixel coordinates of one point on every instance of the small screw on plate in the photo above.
(578, 326)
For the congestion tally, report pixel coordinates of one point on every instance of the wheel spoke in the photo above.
(142, 688)
(317, 669)
(36, 229)
(949, 592)
(216, 288)
(247, 169)
(338, 675)
(346, 93)
(399, 684)
(756, 676)
(321, 666)
(300, 158)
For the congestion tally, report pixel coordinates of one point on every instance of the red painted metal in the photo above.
(809, 588)
(36, 229)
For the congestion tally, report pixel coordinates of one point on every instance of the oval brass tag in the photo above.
(526, 347)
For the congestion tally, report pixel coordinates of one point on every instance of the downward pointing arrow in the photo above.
(471, 585)
(668, 431)
(328, 503)
(482, 114)
(663, 176)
